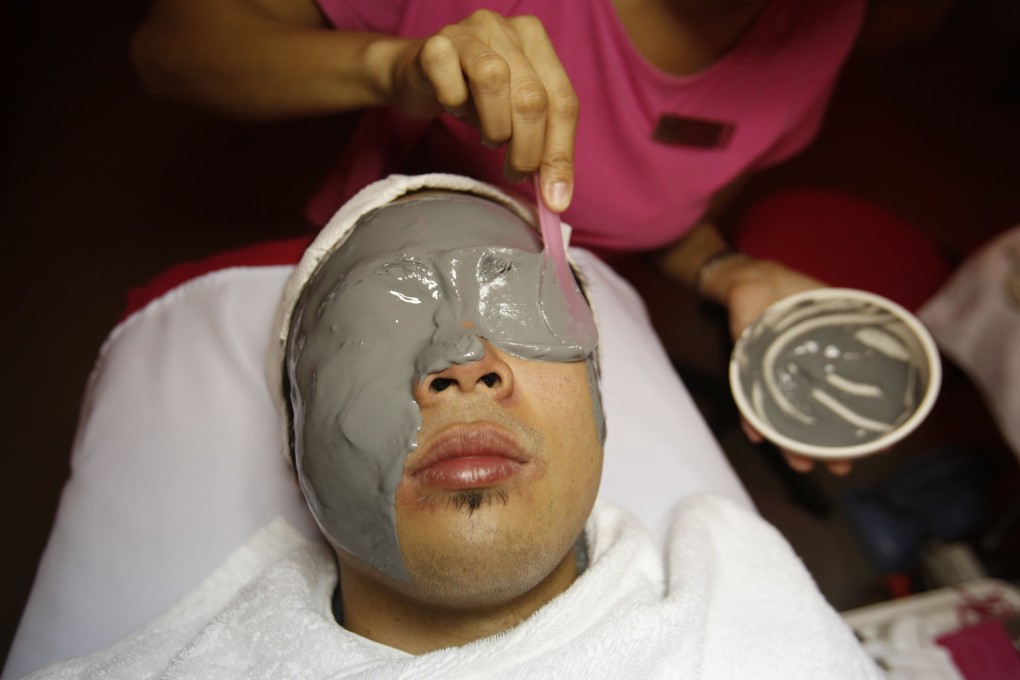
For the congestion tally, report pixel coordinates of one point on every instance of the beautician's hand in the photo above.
(279, 60)
(502, 75)
(747, 286)
(796, 461)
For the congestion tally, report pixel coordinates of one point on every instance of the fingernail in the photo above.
(557, 195)
(840, 468)
(798, 463)
(488, 143)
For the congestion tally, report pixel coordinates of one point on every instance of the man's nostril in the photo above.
(440, 384)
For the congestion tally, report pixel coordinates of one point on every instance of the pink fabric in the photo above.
(632, 193)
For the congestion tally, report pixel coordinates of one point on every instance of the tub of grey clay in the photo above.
(835, 373)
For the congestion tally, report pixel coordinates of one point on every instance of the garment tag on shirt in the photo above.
(696, 132)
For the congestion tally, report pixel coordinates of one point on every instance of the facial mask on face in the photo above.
(412, 291)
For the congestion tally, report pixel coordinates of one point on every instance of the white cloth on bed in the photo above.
(729, 599)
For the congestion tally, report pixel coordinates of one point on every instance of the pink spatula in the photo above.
(582, 328)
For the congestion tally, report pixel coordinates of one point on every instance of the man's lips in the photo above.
(469, 457)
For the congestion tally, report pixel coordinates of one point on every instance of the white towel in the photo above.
(727, 599)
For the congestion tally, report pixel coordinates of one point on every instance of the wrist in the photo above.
(383, 60)
(684, 261)
(717, 273)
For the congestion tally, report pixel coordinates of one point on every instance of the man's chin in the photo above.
(480, 519)
(481, 557)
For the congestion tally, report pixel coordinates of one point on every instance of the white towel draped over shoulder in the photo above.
(726, 599)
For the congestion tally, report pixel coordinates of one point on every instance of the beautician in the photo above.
(641, 118)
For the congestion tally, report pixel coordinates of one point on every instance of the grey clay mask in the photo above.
(412, 291)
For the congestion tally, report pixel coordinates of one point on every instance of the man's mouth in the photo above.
(469, 457)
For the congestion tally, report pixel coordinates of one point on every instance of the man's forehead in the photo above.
(432, 222)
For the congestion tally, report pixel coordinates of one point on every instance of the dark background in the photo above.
(103, 187)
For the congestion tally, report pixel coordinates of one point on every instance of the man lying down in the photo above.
(441, 392)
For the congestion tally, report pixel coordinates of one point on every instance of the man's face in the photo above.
(431, 442)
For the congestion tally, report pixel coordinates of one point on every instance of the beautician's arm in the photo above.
(279, 59)
(703, 260)
(741, 283)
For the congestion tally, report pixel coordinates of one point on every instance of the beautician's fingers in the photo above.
(753, 435)
(557, 163)
(797, 463)
(503, 76)
(747, 286)
(543, 101)
(440, 65)
(511, 70)
(839, 468)
(487, 57)
(415, 68)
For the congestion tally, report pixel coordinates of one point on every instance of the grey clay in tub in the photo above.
(832, 374)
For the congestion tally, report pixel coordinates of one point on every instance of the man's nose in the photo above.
(489, 376)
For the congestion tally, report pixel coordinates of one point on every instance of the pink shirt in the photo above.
(631, 192)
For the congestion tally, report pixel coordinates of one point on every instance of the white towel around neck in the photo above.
(728, 599)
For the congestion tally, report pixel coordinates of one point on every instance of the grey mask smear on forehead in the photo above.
(411, 292)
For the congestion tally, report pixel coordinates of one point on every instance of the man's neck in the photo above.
(375, 611)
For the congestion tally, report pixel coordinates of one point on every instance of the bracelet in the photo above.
(710, 263)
